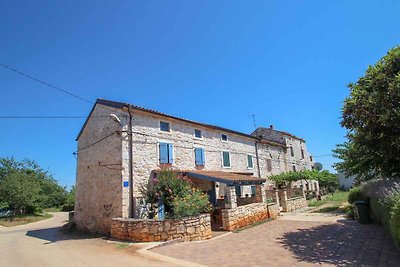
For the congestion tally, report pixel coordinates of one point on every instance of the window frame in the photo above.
(201, 134)
(222, 160)
(222, 134)
(169, 126)
(248, 156)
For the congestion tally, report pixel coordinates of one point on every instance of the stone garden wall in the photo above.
(144, 230)
(294, 203)
(245, 215)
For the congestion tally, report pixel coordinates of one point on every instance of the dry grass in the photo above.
(24, 219)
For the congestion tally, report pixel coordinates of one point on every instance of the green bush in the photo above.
(384, 197)
(395, 220)
(356, 194)
(190, 205)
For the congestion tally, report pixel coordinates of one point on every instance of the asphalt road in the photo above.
(44, 244)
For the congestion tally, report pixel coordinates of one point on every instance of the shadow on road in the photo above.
(346, 243)
(56, 234)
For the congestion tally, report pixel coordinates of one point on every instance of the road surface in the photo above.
(44, 244)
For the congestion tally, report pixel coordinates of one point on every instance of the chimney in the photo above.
(271, 127)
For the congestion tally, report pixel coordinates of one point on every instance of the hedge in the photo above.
(384, 199)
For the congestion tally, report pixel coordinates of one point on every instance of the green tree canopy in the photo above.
(325, 178)
(25, 186)
(371, 114)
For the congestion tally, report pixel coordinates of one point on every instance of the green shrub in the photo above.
(192, 204)
(384, 197)
(356, 194)
(395, 220)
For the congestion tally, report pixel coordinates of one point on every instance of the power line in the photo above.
(53, 87)
(45, 83)
(326, 155)
(48, 117)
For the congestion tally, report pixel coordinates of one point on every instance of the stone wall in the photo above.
(294, 204)
(98, 195)
(245, 215)
(191, 229)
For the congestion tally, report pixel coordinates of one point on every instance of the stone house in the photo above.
(121, 146)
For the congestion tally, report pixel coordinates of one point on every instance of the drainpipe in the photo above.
(132, 204)
(258, 161)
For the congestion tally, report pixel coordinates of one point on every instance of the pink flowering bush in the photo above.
(177, 193)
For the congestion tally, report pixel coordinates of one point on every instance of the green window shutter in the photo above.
(250, 161)
(225, 159)
(238, 190)
(253, 189)
(202, 157)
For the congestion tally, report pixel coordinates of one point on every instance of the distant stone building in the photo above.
(121, 146)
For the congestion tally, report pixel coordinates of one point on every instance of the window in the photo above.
(199, 156)
(165, 153)
(249, 161)
(302, 153)
(253, 190)
(269, 165)
(294, 168)
(238, 190)
(291, 151)
(197, 133)
(310, 158)
(224, 137)
(164, 126)
(226, 161)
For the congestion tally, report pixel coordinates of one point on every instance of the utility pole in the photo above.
(254, 122)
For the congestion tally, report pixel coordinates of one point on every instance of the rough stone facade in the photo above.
(102, 188)
(190, 229)
(98, 196)
(248, 214)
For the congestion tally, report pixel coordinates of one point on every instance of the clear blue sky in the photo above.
(287, 62)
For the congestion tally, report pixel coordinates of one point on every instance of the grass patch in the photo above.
(332, 202)
(24, 219)
(52, 210)
(121, 245)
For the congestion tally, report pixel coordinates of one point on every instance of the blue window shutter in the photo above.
(163, 147)
(170, 153)
(197, 155)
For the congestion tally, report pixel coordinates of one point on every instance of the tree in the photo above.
(371, 115)
(20, 191)
(25, 186)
